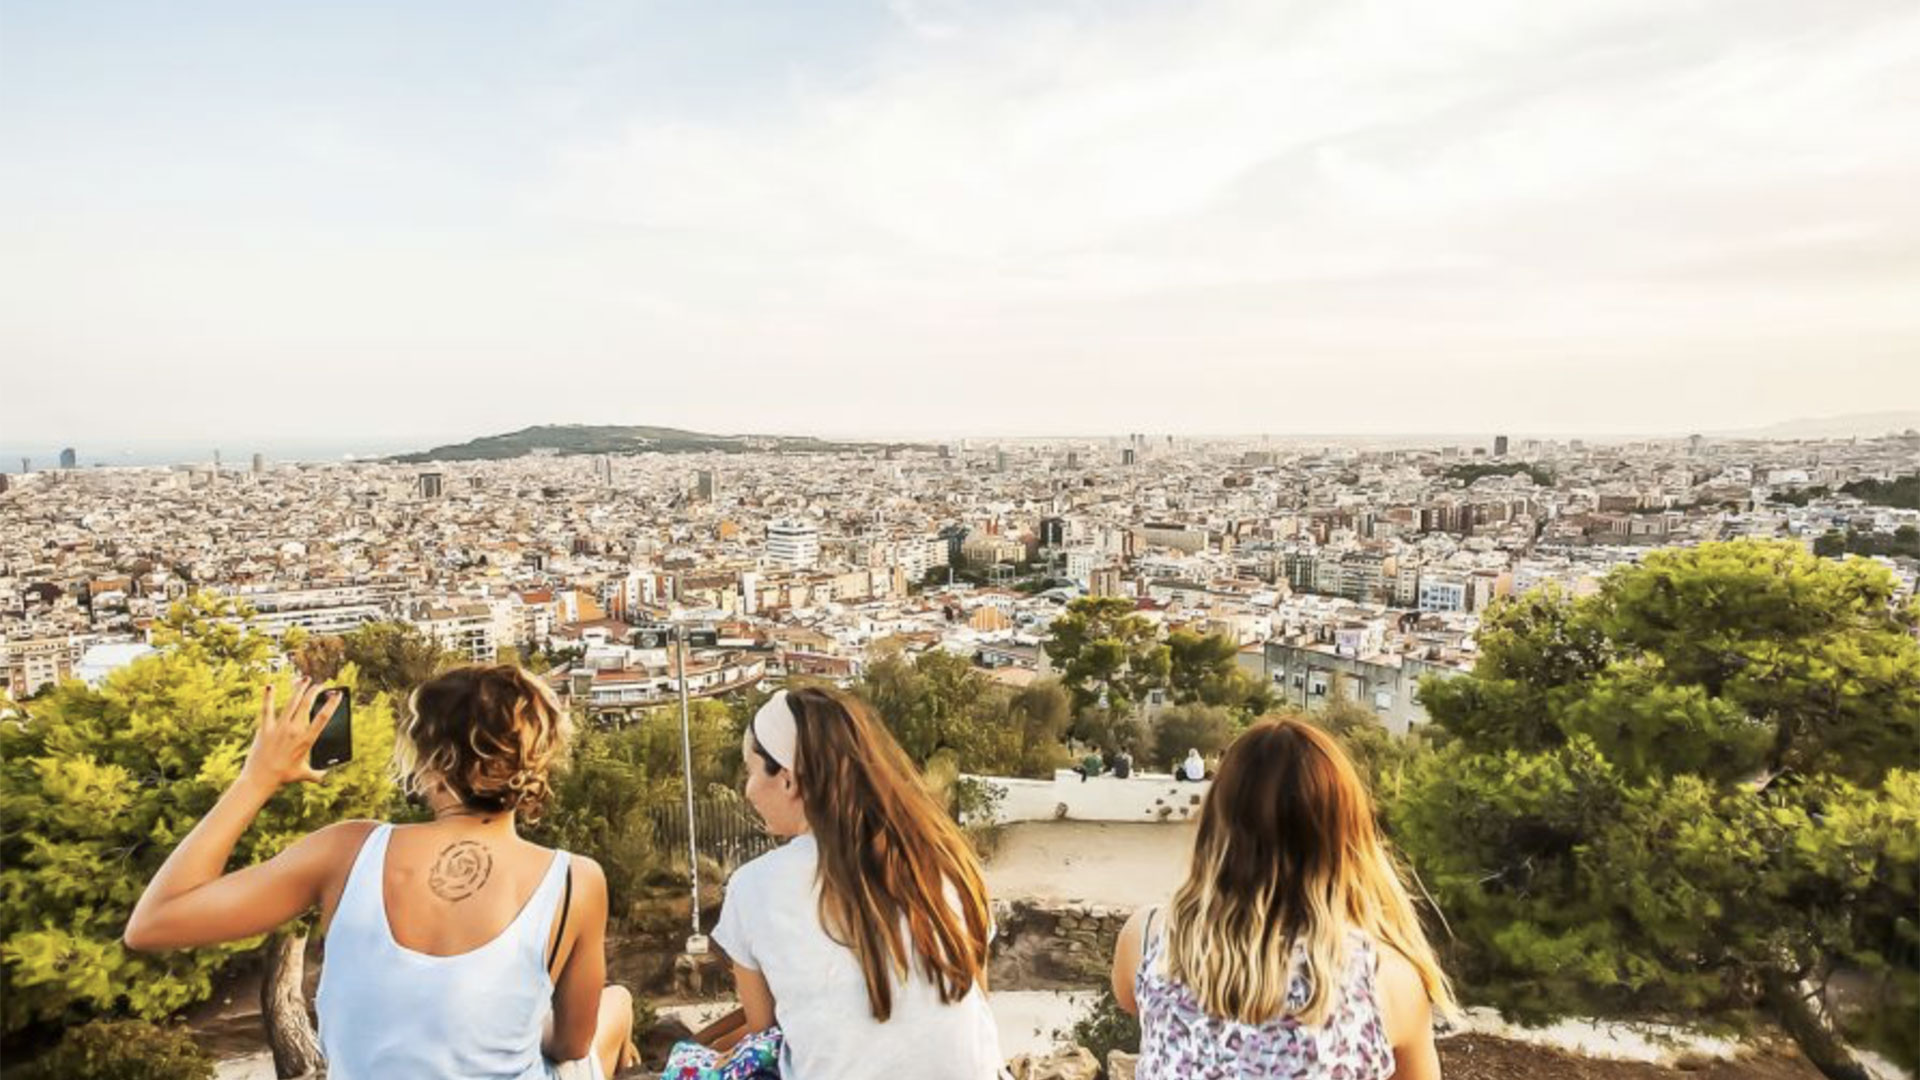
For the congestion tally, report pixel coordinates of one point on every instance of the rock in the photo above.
(1120, 1065)
(1063, 1063)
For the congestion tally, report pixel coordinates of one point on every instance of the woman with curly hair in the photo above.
(454, 948)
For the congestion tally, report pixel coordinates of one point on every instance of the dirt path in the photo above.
(1482, 1057)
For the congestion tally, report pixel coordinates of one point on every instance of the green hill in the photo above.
(569, 439)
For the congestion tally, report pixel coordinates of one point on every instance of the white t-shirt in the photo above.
(770, 922)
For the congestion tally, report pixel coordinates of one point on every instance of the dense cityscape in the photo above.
(1336, 568)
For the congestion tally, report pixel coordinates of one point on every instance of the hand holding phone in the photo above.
(335, 744)
(282, 751)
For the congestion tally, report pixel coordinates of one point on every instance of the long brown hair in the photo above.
(1288, 852)
(888, 854)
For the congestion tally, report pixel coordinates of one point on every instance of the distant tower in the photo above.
(1499, 446)
(429, 485)
(1127, 456)
(1694, 442)
(26, 465)
(705, 485)
(603, 470)
(259, 464)
(68, 458)
(1000, 460)
(1073, 460)
(216, 459)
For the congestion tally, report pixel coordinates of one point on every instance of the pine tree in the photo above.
(1698, 791)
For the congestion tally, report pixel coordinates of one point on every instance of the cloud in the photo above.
(1266, 142)
(976, 213)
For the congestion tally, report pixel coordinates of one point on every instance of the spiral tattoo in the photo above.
(461, 870)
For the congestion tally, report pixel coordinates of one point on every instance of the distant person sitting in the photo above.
(1193, 769)
(1091, 765)
(1122, 765)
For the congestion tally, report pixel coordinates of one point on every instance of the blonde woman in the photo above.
(1292, 949)
(455, 950)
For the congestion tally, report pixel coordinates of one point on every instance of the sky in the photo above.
(359, 222)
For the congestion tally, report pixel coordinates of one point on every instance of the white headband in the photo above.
(773, 728)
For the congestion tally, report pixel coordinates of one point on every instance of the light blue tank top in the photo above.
(388, 1011)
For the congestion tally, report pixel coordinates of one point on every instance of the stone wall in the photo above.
(1142, 797)
(1046, 946)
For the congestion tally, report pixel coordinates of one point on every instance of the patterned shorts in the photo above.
(755, 1057)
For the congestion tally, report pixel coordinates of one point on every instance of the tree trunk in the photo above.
(1802, 1009)
(283, 1006)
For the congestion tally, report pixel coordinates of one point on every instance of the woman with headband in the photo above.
(864, 938)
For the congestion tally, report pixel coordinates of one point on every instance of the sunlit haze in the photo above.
(330, 224)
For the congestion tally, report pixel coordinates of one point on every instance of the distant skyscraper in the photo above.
(1000, 460)
(704, 485)
(1127, 456)
(1499, 446)
(259, 464)
(430, 485)
(26, 465)
(1694, 443)
(1053, 532)
(1073, 460)
(216, 459)
(68, 458)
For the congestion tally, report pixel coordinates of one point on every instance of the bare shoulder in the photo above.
(1403, 996)
(341, 838)
(587, 874)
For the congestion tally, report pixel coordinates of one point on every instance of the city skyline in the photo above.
(178, 451)
(919, 218)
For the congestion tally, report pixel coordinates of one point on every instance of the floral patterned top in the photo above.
(1179, 1041)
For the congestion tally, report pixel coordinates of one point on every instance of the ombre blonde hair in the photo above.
(491, 735)
(1288, 853)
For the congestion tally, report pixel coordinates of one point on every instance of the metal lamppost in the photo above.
(696, 941)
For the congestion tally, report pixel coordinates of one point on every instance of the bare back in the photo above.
(451, 887)
(450, 891)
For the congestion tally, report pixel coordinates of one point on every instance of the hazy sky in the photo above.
(413, 221)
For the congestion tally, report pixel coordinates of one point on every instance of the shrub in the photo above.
(1106, 1028)
(123, 1050)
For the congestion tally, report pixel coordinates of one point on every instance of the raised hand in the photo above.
(281, 746)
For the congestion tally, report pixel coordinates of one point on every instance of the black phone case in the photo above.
(335, 745)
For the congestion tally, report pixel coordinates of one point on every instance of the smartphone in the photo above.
(335, 745)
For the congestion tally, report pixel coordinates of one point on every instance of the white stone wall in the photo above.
(1142, 797)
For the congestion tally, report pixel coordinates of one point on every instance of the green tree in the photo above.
(1831, 544)
(1107, 654)
(1902, 491)
(603, 799)
(97, 786)
(1698, 791)
(1198, 665)
(928, 700)
(1206, 728)
(395, 657)
(1042, 712)
(934, 700)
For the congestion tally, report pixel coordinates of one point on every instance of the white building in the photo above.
(1443, 592)
(793, 544)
